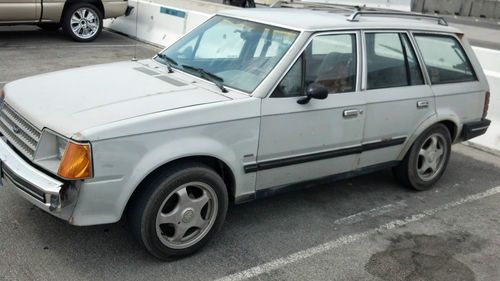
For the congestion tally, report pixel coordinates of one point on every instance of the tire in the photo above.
(87, 22)
(424, 164)
(49, 26)
(176, 198)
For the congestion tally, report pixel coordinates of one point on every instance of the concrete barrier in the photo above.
(474, 8)
(162, 22)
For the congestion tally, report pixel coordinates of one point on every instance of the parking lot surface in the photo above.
(365, 228)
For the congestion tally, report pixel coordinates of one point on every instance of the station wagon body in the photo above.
(247, 104)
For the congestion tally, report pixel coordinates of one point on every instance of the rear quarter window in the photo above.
(445, 59)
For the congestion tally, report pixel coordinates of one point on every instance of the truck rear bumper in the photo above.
(113, 9)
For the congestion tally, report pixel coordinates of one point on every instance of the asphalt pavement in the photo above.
(364, 228)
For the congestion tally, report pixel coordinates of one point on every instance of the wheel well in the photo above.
(452, 128)
(97, 3)
(216, 164)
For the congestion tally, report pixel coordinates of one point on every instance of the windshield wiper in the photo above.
(168, 61)
(218, 81)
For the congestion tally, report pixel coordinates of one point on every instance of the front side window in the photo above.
(240, 53)
(329, 60)
(445, 59)
(391, 62)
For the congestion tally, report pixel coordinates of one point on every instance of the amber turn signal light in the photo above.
(76, 162)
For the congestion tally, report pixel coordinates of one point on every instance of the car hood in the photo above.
(71, 101)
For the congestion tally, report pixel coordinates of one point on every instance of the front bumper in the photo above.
(474, 129)
(33, 185)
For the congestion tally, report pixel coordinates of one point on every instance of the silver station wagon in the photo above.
(247, 104)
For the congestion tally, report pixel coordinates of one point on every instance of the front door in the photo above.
(301, 142)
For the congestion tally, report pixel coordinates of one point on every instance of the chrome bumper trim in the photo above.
(33, 185)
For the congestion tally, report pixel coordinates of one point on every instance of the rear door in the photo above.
(18, 10)
(398, 99)
(301, 142)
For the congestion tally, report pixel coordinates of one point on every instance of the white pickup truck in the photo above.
(247, 104)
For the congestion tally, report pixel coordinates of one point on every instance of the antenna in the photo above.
(136, 20)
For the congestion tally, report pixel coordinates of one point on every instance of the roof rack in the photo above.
(314, 5)
(354, 16)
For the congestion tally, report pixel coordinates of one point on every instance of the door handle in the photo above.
(349, 113)
(422, 104)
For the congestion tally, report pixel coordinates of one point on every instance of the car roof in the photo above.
(316, 20)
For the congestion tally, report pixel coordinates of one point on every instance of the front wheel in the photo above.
(82, 22)
(179, 211)
(426, 161)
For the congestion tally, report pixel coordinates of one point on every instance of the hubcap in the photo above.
(431, 157)
(84, 23)
(186, 215)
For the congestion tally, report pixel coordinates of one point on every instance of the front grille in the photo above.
(19, 132)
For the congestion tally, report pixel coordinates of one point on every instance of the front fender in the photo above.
(120, 165)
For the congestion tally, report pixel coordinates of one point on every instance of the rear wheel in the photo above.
(179, 211)
(426, 160)
(82, 22)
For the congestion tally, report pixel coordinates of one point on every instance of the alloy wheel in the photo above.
(85, 23)
(431, 157)
(186, 215)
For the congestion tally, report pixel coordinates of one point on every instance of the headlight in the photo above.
(64, 157)
(61, 147)
(2, 96)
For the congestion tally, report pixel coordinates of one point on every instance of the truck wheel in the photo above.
(49, 26)
(179, 211)
(82, 22)
(426, 161)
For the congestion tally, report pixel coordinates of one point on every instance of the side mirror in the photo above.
(314, 91)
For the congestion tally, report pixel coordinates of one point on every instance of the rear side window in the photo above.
(445, 59)
(391, 61)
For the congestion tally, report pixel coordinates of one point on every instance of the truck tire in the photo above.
(82, 22)
(426, 161)
(179, 210)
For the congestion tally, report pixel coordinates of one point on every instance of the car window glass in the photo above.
(390, 61)
(329, 60)
(221, 41)
(291, 85)
(332, 62)
(415, 73)
(445, 59)
(240, 53)
(272, 43)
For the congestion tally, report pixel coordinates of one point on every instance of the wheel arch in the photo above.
(218, 165)
(68, 3)
(450, 122)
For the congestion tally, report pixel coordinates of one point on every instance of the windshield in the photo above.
(238, 52)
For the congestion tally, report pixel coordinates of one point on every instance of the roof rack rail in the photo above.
(354, 16)
(314, 5)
